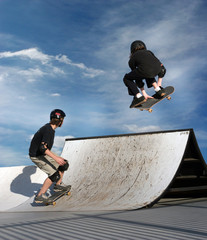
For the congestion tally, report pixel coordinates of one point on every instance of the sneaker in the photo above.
(42, 198)
(61, 187)
(137, 101)
(161, 93)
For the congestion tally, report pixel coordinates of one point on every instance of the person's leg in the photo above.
(161, 75)
(46, 185)
(132, 80)
(150, 82)
(160, 92)
(59, 184)
(61, 178)
(159, 82)
(131, 85)
(155, 85)
(57, 175)
(49, 166)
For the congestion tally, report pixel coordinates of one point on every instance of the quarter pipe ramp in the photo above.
(119, 172)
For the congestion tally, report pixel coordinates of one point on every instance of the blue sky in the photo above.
(72, 55)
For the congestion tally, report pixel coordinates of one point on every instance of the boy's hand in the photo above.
(147, 96)
(60, 161)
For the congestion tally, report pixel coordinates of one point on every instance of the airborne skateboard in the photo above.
(152, 101)
(52, 199)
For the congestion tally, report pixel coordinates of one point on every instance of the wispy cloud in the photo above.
(136, 129)
(31, 74)
(39, 78)
(88, 72)
(31, 53)
(36, 55)
(55, 95)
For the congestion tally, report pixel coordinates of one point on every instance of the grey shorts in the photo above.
(46, 164)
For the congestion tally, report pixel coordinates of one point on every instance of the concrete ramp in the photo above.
(115, 172)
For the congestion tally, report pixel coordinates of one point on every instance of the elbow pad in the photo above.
(43, 147)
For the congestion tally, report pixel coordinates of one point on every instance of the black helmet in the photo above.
(137, 45)
(57, 113)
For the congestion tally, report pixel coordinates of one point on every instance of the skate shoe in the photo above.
(137, 101)
(41, 199)
(61, 187)
(161, 93)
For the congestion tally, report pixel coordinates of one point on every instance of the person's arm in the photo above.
(45, 150)
(145, 94)
(58, 159)
(132, 64)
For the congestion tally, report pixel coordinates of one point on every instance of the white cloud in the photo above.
(88, 72)
(31, 74)
(63, 59)
(92, 73)
(55, 95)
(31, 53)
(136, 129)
(36, 55)
(59, 143)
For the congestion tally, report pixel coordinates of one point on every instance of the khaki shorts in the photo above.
(46, 164)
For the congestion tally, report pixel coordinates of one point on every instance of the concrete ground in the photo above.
(169, 219)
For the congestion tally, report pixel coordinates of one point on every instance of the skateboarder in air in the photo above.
(144, 65)
(40, 153)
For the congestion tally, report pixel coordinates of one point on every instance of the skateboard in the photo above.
(152, 101)
(52, 199)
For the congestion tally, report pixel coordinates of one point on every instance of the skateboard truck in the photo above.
(60, 195)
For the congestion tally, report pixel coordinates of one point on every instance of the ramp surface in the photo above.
(106, 173)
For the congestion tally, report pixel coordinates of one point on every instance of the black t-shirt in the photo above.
(46, 135)
(146, 63)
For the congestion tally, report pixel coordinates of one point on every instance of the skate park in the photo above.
(115, 180)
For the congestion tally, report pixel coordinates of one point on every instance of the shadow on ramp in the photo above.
(22, 183)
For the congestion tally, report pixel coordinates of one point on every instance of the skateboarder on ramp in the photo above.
(40, 153)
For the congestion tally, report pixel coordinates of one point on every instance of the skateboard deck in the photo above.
(152, 101)
(54, 197)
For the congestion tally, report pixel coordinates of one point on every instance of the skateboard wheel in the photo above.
(54, 203)
(150, 110)
(168, 98)
(68, 193)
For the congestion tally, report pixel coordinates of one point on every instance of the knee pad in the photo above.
(64, 167)
(55, 177)
(162, 72)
